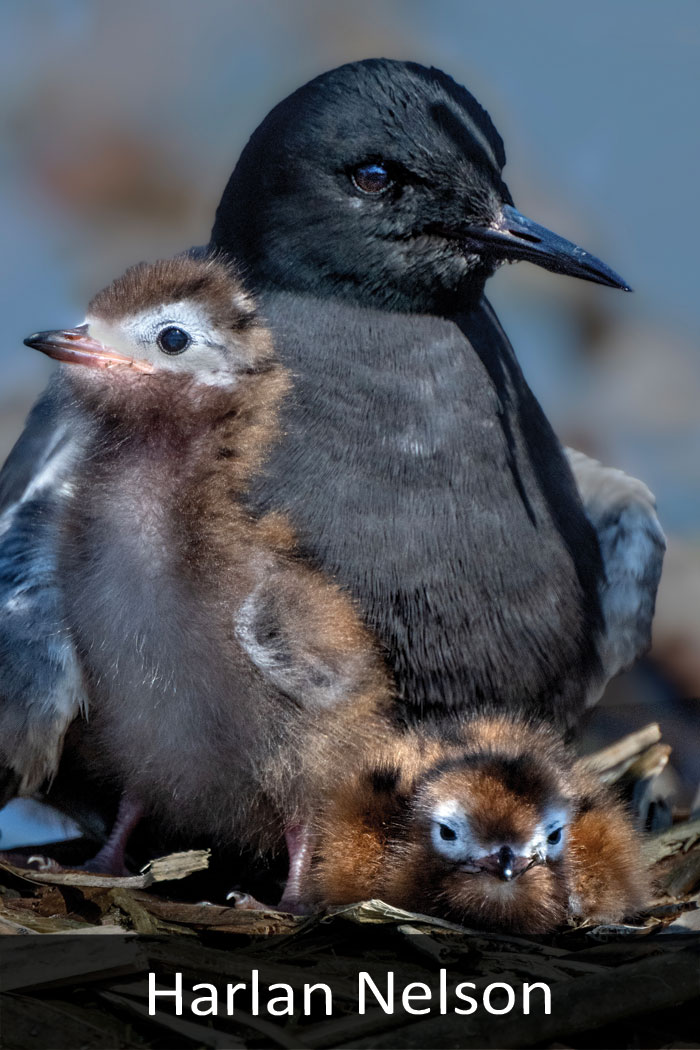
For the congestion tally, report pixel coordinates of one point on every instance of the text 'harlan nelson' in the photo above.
(256, 997)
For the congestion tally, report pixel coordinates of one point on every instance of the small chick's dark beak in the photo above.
(74, 346)
(512, 236)
(505, 864)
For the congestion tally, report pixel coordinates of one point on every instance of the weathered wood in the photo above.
(202, 1035)
(379, 913)
(683, 877)
(608, 762)
(163, 869)
(30, 1024)
(220, 917)
(42, 962)
(277, 1034)
(678, 839)
(577, 1006)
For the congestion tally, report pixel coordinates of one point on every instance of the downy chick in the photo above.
(221, 674)
(493, 826)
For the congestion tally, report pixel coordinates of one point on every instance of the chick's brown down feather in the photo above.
(492, 824)
(224, 678)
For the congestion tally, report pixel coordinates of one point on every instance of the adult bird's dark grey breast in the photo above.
(367, 212)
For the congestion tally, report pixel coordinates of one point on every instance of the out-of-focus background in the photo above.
(121, 123)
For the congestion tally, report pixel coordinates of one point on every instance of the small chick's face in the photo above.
(496, 845)
(183, 319)
(504, 851)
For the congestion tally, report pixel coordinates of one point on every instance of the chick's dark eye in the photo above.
(371, 178)
(173, 340)
(554, 837)
(447, 832)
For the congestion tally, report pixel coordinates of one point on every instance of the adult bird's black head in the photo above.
(381, 182)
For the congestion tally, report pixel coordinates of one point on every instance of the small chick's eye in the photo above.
(554, 837)
(173, 340)
(371, 178)
(447, 832)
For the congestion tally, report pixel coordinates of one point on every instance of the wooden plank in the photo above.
(43, 962)
(581, 1005)
(29, 1024)
(200, 1034)
(163, 869)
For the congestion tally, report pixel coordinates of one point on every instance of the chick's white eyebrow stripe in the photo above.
(463, 846)
(145, 325)
(137, 335)
(555, 818)
(450, 808)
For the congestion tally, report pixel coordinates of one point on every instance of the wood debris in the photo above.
(631, 984)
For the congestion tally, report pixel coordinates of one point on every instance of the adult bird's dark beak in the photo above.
(74, 346)
(512, 236)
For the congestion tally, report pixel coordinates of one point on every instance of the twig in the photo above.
(611, 762)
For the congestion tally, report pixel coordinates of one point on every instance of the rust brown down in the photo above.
(229, 681)
(211, 280)
(374, 835)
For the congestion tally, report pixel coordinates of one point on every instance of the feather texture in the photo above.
(491, 784)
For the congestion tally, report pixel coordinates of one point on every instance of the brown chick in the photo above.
(491, 824)
(223, 677)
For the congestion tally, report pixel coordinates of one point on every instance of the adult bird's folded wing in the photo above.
(40, 685)
(622, 511)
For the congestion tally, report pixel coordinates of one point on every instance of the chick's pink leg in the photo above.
(295, 898)
(299, 842)
(110, 860)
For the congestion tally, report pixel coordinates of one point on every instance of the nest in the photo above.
(628, 985)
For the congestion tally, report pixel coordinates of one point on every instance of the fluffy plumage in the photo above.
(221, 673)
(413, 460)
(493, 825)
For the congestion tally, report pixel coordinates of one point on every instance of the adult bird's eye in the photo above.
(371, 178)
(173, 340)
(554, 837)
(447, 832)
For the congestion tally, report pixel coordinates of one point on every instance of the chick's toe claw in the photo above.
(42, 863)
(246, 902)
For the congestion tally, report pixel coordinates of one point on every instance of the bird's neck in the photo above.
(276, 266)
(188, 428)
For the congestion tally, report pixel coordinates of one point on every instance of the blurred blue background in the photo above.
(121, 123)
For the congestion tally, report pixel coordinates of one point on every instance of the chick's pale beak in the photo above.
(505, 864)
(74, 346)
(512, 236)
